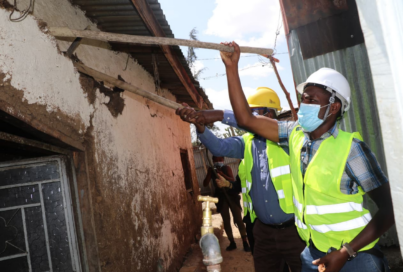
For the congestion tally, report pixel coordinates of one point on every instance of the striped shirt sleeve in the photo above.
(363, 169)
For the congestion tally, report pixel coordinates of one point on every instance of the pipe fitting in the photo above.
(211, 250)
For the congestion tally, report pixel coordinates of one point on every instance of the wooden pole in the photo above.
(126, 86)
(287, 94)
(123, 38)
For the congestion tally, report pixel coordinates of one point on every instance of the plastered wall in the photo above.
(143, 218)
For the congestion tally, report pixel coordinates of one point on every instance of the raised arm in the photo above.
(261, 125)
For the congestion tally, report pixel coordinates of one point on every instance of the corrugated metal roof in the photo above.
(120, 16)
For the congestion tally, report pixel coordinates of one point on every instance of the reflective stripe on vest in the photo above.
(343, 226)
(297, 204)
(280, 194)
(299, 223)
(323, 213)
(279, 171)
(278, 161)
(335, 208)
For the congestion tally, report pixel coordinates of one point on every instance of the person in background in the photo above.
(228, 199)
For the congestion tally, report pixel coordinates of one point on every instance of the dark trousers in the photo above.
(274, 246)
(226, 218)
(249, 231)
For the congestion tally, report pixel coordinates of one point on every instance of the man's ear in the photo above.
(335, 107)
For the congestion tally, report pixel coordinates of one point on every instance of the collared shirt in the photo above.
(362, 168)
(263, 194)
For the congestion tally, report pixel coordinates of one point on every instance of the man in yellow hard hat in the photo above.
(265, 180)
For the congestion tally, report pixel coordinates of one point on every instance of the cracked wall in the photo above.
(144, 219)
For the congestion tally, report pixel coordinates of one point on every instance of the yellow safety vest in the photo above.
(279, 166)
(322, 212)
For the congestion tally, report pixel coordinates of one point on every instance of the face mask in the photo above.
(308, 116)
(218, 164)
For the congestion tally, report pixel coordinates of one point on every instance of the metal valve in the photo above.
(207, 226)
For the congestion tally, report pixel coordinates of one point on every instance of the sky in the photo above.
(254, 24)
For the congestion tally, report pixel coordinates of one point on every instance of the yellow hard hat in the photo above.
(264, 97)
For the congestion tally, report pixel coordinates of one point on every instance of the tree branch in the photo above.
(287, 94)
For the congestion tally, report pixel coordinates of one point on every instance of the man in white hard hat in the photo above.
(265, 180)
(331, 171)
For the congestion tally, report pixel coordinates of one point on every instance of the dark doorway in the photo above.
(186, 170)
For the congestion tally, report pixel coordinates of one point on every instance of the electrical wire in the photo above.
(24, 12)
(243, 69)
(249, 56)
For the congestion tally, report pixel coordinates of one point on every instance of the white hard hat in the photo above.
(331, 79)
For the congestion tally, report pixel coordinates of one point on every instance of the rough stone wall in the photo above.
(144, 219)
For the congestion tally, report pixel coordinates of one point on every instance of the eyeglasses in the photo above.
(256, 110)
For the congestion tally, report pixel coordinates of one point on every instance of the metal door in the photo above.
(37, 230)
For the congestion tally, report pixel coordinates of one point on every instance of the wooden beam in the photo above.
(146, 13)
(125, 86)
(32, 143)
(149, 40)
(152, 24)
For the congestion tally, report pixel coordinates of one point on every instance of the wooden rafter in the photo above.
(153, 26)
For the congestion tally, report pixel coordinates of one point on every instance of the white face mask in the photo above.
(218, 164)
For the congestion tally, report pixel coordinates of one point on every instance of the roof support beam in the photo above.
(152, 24)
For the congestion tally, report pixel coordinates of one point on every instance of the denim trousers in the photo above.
(364, 262)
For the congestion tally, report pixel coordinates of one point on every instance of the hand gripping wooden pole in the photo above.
(124, 38)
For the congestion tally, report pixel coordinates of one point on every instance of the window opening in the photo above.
(186, 170)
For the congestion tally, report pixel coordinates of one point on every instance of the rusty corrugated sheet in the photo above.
(302, 12)
(120, 16)
(323, 27)
(363, 116)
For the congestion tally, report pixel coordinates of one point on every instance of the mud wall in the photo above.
(142, 217)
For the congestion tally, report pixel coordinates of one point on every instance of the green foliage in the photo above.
(192, 57)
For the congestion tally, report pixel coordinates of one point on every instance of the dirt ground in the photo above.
(236, 260)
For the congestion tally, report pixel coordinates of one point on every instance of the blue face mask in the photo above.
(308, 116)
(218, 164)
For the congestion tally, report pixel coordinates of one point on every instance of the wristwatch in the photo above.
(350, 251)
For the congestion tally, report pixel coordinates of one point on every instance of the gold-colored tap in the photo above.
(207, 226)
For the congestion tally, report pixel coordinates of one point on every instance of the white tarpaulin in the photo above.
(382, 25)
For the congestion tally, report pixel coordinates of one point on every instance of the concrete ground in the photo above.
(394, 258)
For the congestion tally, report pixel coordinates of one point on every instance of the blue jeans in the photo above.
(364, 262)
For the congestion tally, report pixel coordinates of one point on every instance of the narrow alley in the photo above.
(235, 260)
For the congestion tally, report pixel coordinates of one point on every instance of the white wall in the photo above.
(141, 209)
(382, 25)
